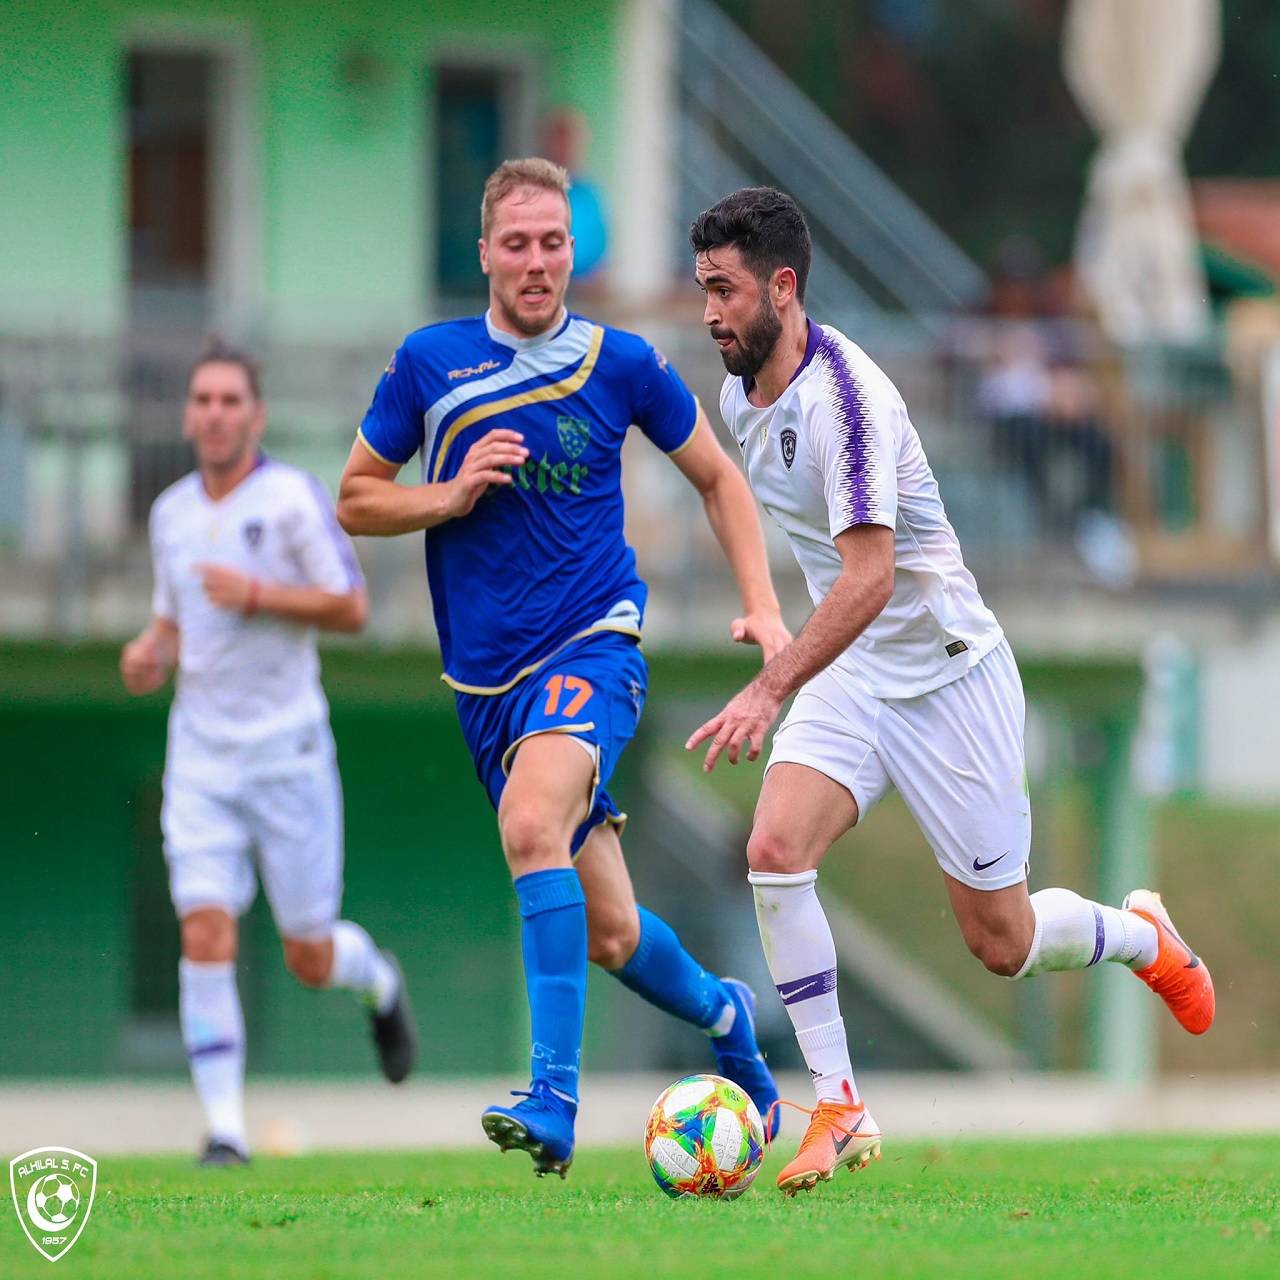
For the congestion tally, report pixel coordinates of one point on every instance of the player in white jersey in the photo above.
(902, 677)
(249, 563)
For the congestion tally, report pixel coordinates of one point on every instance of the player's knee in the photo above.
(774, 852)
(1002, 954)
(209, 937)
(309, 962)
(612, 938)
(529, 841)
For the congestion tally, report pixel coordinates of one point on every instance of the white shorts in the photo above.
(955, 755)
(288, 830)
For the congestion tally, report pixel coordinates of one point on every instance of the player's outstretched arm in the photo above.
(147, 660)
(731, 512)
(859, 594)
(371, 503)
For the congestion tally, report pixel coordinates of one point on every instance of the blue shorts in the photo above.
(594, 689)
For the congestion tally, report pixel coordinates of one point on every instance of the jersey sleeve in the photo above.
(164, 602)
(317, 542)
(392, 428)
(664, 408)
(851, 437)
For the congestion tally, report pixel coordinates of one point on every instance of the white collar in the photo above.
(505, 339)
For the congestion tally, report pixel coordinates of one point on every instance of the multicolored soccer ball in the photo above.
(704, 1138)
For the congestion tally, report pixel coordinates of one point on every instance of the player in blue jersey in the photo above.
(519, 417)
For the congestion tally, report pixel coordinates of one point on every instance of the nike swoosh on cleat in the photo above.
(848, 1137)
(982, 866)
(1194, 961)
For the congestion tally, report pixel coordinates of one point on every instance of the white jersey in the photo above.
(837, 449)
(248, 694)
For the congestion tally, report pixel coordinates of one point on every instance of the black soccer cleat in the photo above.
(218, 1152)
(393, 1031)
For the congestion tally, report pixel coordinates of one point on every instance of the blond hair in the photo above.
(518, 175)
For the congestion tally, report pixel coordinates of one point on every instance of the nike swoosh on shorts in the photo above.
(982, 866)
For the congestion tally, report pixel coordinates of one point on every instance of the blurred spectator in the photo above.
(1043, 403)
(565, 143)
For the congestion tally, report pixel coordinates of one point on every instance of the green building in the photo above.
(310, 171)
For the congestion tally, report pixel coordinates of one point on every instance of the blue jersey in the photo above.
(543, 560)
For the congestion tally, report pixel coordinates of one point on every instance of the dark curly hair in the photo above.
(765, 226)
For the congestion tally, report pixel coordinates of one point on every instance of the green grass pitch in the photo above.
(1166, 1208)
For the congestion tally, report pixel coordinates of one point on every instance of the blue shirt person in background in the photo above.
(564, 133)
(518, 417)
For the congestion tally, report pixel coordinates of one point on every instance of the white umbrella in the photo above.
(1139, 70)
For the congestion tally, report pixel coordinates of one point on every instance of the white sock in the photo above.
(213, 1033)
(359, 966)
(802, 959)
(1074, 933)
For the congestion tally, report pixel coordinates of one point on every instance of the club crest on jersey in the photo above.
(252, 533)
(575, 433)
(787, 443)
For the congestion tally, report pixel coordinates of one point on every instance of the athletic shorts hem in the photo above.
(189, 905)
(863, 799)
(572, 730)
(986, 885)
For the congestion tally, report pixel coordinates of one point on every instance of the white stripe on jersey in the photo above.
(535, 357)
(837, 449)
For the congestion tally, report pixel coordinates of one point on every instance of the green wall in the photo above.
(342, 170)
(90, 942)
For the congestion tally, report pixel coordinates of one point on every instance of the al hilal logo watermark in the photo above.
(53, 1192)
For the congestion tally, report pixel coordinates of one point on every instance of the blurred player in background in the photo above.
(519, 416)
(249, 563)
(902, 677)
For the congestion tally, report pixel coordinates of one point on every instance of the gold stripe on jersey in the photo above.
(385, 461)
(688, 440)
(539, 395)
(491, 691)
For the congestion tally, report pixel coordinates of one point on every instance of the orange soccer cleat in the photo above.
(1178, 976)
(840, 1135)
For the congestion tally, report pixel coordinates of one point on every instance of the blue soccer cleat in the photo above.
(740, 1060)
(542, 1125)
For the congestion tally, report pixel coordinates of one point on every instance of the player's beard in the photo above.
(754, 344)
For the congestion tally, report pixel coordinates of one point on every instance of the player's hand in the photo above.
(744, 722)
(142, 666)
(483, 466)
(764, 627)
(226, 588)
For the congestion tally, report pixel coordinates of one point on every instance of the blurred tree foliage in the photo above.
(963, 104)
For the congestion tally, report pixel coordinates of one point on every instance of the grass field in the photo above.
(1167, 1208)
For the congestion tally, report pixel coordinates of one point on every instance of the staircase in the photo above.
(877, 256)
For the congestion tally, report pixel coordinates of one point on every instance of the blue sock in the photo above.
(667, 976)
(554, 938)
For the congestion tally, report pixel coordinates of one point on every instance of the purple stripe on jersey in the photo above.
(1099, 937)
(346, 553)
(810, 350)
(816, 984)
(849, 410)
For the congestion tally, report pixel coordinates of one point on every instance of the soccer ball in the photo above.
(704, 1138)
(58, 1199)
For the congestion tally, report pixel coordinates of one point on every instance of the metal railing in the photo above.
(745, 122)
(1158, 480)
